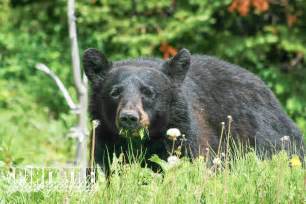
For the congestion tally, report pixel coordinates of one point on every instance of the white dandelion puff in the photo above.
(95, 123)
(173, 133)
(286, 138)
(229, 117)
(173, 160)
(217, 161)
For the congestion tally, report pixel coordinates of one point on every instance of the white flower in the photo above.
(285, 139)
(173, 133)
(217, 161)
(222, 154)
(95, 123)
(173, 160)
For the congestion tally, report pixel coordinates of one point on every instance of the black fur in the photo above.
(191, 93)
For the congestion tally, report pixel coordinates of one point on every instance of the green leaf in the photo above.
(163, 164)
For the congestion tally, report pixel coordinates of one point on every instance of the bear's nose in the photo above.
(129, 119)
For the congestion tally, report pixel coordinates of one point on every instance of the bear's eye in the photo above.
(115, 92)
(147, 91)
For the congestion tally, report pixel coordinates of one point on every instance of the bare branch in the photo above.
(81, 87)
(59, 83)
(81, 84)
(74, 48)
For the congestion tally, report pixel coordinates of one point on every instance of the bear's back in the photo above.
(223, 89)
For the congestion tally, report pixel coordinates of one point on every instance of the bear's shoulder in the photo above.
(205, 67)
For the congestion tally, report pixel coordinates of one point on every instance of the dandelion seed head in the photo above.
(286, 138)
(173, 133)
(217, 161)
(173, 160)
(95, 123)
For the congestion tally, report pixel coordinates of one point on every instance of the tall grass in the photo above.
(233, 176)
(248, 180)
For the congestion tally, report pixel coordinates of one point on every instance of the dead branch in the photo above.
(81, 87)
(59, 83)
(74, 48)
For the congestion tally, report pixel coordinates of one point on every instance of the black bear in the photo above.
(193, 93)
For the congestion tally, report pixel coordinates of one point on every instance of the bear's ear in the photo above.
(177, 67)
(95, 64)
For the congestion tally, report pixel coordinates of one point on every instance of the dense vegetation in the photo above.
(266, 37)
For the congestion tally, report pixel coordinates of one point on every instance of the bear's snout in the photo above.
(129, 119)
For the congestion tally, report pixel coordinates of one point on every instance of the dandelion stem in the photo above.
(228, 135)
(221, 137)
(173, 141)
(92, 147)
(227, 158)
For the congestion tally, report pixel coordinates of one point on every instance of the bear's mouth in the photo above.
(132, 120)
(140, 132)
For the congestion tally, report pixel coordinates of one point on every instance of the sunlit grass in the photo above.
(244, 179)
(248, 180)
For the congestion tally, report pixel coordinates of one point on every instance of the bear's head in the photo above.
(134, 94)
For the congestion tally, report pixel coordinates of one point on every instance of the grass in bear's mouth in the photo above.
(141, 133)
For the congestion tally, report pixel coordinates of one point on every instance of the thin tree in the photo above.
(81, 86)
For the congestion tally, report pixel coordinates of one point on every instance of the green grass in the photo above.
(29, 132)
(31, 135)
(248, 180)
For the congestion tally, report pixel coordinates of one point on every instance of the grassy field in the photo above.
(245, 179)
(32, 136)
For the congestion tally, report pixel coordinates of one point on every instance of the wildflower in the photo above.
(183, 138)
(230, 118)
(285, 139)
(222, 155)
(217, 161)
(173, 160)
(95, 123)
(173, 133)
(295, 161)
